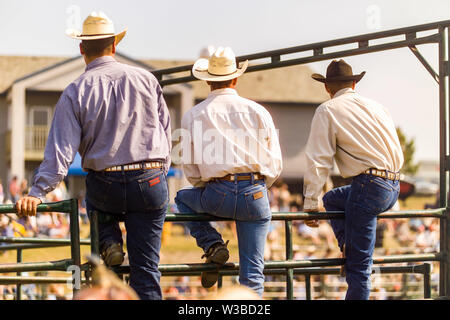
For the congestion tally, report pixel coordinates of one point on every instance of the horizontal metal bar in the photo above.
(60, 265)
(281, 216)
(35, 280)
(364, 38)
(419, 269)
(61, 206)
(25, 246)
(290, 62)
(42, 241)
(180, 269)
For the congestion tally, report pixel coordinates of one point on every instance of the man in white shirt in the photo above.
(360, 135)
(232, 156)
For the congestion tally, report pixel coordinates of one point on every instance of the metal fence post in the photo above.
(444, 165)
(19, 286)
(289, 256)
(446, 234)
(95, 246)
(427, 281)
(75, 242)
(308, 286)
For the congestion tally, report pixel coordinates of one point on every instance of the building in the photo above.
(31, 86)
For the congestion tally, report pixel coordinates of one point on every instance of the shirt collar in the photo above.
(100, 61)
(343, 91)
(224, 91)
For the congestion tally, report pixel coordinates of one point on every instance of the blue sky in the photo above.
(179, 29)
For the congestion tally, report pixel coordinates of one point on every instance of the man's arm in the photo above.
(320, 150)
(190, 169)
(275, 161)
(164, 119)
(62, 145)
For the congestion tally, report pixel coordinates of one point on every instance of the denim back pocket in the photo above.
(213, 200)
(97, 190)
(376, 195)
(154, 191)
(256, 204)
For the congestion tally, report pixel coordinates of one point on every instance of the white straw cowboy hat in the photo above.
(96, 26)
(221, 66)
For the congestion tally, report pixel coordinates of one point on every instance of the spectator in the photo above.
(2, 194)
(23, 187)
(14, 189)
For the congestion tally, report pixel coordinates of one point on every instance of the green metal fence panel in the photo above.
(68, 206)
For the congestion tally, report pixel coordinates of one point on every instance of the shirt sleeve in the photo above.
(320, 150)
(190, 169)
(62, 145)
(273, 144)
(164, 119)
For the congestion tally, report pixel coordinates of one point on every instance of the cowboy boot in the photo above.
(113, 255)
(218, 254)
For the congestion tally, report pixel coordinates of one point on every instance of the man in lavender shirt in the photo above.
(115, 116)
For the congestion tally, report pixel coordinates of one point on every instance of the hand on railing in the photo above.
(27, 206)
(311, 223)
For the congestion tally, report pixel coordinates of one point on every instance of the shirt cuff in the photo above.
(38, 193)
(311, 204)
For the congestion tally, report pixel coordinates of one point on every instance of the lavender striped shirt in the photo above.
(112, 114)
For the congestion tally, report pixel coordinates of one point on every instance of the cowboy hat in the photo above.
(96, 26)
(220, 66)
(338, 71)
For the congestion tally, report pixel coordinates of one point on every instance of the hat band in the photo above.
(95, 35)
(219, 75)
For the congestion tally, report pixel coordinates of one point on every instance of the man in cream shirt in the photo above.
(360, 135)
(232, 158)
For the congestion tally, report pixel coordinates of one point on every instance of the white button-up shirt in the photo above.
(357, 132)
(230, 134)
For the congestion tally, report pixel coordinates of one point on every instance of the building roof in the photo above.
(289, 84)
(13, 68)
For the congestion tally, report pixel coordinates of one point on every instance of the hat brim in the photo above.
(200, 71)
(74, 34)
(321, 78)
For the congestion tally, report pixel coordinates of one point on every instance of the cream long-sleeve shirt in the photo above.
(229, 134)
(357, 132)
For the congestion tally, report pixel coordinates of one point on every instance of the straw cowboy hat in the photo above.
(338, 71)
(220, 66)
(96, 26)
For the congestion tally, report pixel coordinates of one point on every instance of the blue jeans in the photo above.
(361, 201)
(140, 199)
(247, 203)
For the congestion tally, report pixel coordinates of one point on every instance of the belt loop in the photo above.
(253, 178)
(387, 174)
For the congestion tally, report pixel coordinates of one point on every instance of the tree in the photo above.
(408, 148)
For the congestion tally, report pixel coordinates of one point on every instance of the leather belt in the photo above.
(386, 174)
(234, 177)
(136, 166)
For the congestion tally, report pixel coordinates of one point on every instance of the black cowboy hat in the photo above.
(338, 71)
